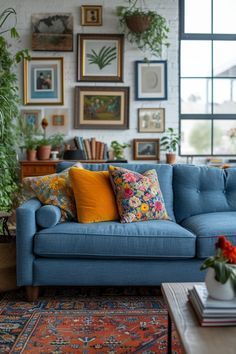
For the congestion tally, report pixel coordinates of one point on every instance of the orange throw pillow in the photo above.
(94, 196)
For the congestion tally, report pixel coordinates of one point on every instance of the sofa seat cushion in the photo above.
(149, 239)
(208, 226)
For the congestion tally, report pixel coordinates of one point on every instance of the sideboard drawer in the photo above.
(38, 168)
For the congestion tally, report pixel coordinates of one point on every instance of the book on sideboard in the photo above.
(91, 149)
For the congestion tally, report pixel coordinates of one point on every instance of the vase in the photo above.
(216, 290)
(44, 152)
(171, 158)
(31, 155)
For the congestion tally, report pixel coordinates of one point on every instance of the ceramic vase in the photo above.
(216, 290)
(44, 152)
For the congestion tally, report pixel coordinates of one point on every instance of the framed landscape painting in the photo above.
(43, 81)
(146, 149)
(101, 107)
(100, 57)
(151, 120)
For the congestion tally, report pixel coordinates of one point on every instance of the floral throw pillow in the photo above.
(55, 189)
(138, 196)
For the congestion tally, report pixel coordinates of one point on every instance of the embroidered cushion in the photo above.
(138, 196)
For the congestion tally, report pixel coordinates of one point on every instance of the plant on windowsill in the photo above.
(169, 143)
(145, 28)
(118, 149)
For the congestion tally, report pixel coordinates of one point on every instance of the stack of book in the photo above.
(91, 149)
(212, 312)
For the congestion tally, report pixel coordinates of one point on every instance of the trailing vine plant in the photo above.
(9, 112)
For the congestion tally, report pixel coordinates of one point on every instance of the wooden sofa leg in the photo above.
(32, 293)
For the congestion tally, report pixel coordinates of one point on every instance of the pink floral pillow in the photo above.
(138, 196)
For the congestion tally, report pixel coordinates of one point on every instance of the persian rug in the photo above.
(85, 320)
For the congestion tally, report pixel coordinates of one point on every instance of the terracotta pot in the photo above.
(31, 155)
(138, 23)
(171, 158)
(44, 152)
(216, 290)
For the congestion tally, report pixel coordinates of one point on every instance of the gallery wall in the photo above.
(166, 8)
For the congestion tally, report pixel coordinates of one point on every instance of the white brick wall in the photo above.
(167, 8)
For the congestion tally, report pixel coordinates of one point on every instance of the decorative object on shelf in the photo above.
(32, 116)
(43, 81)
(54, 155)
(151, 120)
(91, 15)
(221, 270)
(52, 32)
(146, 149)
(169, 143)
(100, 57)
(101, 107)
(145, 28)
(118, 149)
(58, 120)
(151, 80)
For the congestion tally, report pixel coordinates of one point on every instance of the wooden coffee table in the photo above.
(194, 338)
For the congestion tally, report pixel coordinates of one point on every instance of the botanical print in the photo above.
(102, 107)
(102, 58)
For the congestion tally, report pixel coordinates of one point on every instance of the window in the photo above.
(207, 77)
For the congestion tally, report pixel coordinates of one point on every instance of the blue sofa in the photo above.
(201, 202)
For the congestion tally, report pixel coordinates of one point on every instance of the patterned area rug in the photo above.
(85, 320)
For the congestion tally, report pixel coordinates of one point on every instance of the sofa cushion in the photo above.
(149, 239)
(48, 216)
(208, 226)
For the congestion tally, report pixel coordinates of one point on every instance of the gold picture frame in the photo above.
(146, 149)
(91, 15)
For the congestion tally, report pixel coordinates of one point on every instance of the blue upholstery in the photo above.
(149, 239)
(48, 216)
(199, 190)
(208, 226)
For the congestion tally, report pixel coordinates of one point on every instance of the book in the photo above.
(101, 152)
(88, 149)
(93, 148)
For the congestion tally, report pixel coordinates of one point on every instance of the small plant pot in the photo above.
(31, 155)
(216, 290)
(44, 152)
(138, 23)
(171, 158)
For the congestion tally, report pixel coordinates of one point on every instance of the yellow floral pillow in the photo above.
(55, 190)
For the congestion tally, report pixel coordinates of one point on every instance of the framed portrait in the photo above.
(151, 120)
(91, 15)
(100, 57)
(43, 81)
(146, 149)
(101, 107)
(52, 32)
(151, 80)
(31, 117)
(58, 120)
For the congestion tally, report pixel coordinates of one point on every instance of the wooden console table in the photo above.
(37, 168)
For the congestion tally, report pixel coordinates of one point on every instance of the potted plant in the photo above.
(169, 143)
(146, 28)
(118, 149)
(31, 149)
(44, 149)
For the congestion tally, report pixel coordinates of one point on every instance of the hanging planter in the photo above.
(138, 23)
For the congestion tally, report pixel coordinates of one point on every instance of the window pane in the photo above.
(195, 137)
(224, 16)
(224, 96)
(195, 58)
(195, 96)
(197, 18)
(224, 54)
(224, 137)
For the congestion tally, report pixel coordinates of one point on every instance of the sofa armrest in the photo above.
(26, 228)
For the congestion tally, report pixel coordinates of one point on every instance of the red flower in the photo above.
(227, 248)
(221, 242)
(128, 192)
(158, 206)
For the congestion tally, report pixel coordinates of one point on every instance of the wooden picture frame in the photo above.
(101, 107)
(151, 120)
(100, 57)
(44, 81)
(146, 149)
(91, 15)
(32, 117)
(58, 120)
(151, 80)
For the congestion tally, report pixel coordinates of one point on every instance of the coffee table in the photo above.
(194, 338)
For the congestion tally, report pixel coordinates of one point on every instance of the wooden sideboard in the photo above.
(37, 168)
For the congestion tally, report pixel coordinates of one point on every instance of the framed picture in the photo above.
(151, 80)
(146, 149)
(151, 120)
(100, 57)
(31, 117)
(101, 107)
(43, 81)
(52, 32)
(91, 15)
(58, 120)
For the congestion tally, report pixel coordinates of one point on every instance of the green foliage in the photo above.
(118, 149)
(153, 38)
(223, 270)
(55, 140)
(170, 141)
(103, 58)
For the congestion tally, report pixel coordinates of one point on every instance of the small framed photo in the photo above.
(151, 80)
(58, 120)
(146, 149)
(91, 15)
(31, 117)
(151, 120)
(101, 107)
(43, 81)
(100, 57)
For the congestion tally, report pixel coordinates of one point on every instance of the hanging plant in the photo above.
(145, 28)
